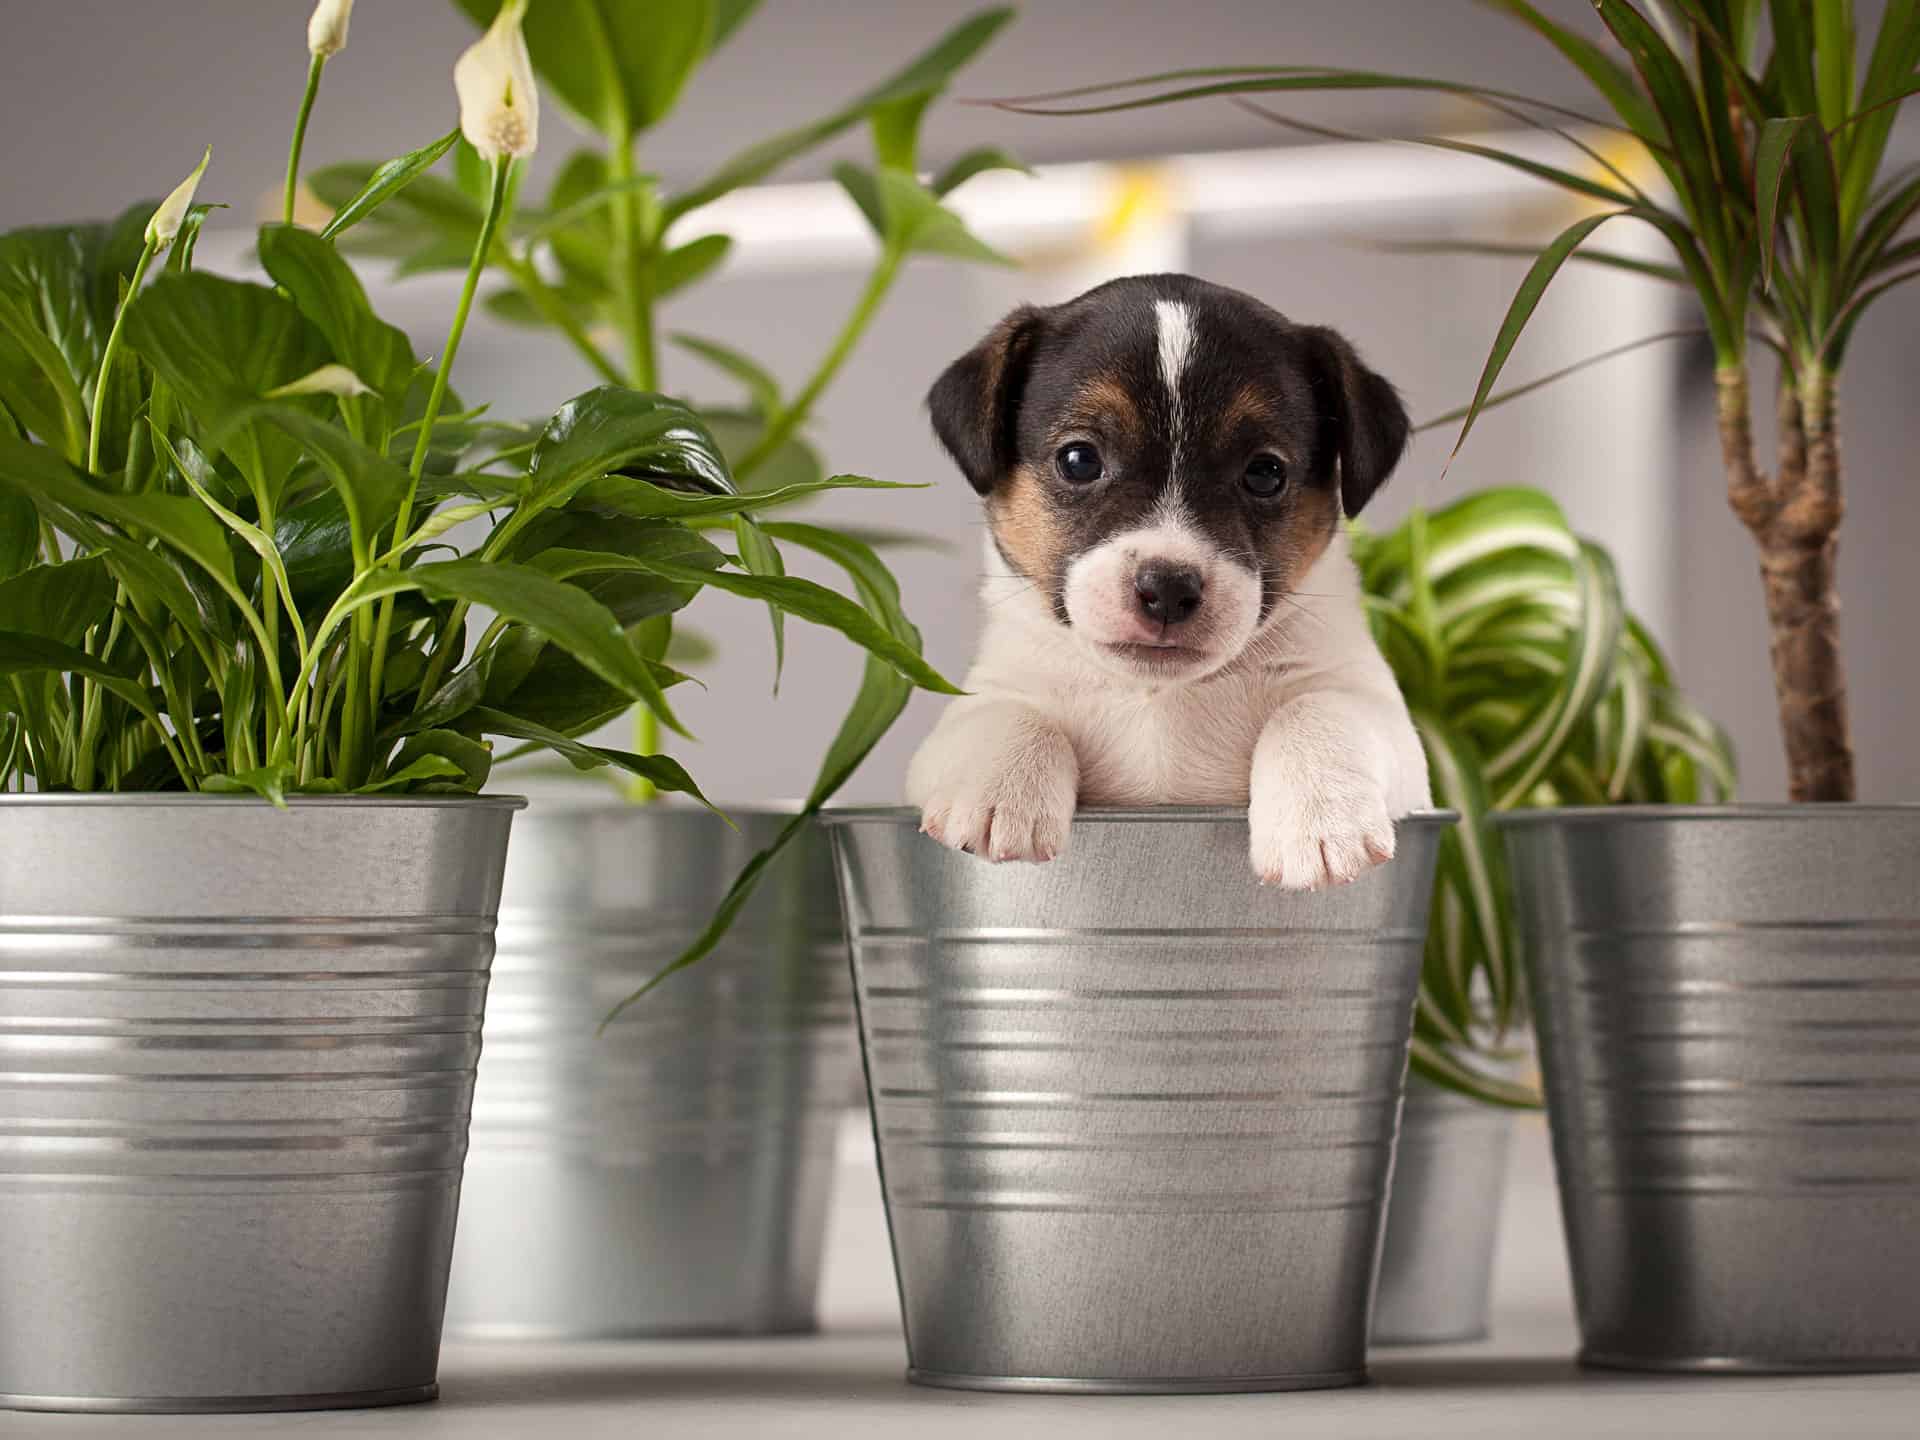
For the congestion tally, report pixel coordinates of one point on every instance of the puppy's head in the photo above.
(1165, 459)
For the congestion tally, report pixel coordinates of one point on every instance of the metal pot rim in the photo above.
(1103, 815)
(184, 800)
(1772, 810)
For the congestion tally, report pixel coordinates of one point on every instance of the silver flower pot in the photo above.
(1728, 1005)
(236, 1052)
(670, 1176)
(1443, 1217)
(1135, 1114)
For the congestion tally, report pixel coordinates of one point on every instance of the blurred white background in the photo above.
(104, 102)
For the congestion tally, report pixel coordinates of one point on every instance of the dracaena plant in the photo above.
(609, 243)
(225, 512)
(1767, 122)
(1530, 685)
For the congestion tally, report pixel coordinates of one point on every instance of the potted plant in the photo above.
(246, 879)
(1725, 994)
(1134, 1138)
(1532, 687)
(612, 1174)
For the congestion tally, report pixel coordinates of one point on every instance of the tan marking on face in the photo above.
(1295, 547)
(1251, 406)
(1022, 521)
(1104, 407)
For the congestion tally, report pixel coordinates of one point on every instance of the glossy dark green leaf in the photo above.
(330, 295)
(370, 485)
(759, 555)
(563, 613)
(19, 533)
(615, 432)
(22, 653)
(793, 462)
(60, 602)
(471, 760)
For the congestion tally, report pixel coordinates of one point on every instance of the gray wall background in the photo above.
(104, 101)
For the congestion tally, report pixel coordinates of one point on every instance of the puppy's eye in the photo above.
(1266, 476)
(1080, 463)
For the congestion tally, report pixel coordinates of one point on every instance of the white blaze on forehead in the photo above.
(1174, 324)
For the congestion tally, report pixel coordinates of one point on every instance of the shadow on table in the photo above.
(1405, 1371)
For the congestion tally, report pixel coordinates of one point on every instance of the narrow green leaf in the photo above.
(664, 773)
(385, 182)
(762, 389)
(269, 782)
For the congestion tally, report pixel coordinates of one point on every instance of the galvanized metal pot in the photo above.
(1728, 1005)
(1135, 1113)
(670, 1176)
(236, 1052)
(1443, 1217)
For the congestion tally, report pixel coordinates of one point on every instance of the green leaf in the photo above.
(762, 389)
(793, 462)
(1525, 301)
(625, 495)
(760, 556)
(19, 533)
(221, 345)
(616, 65)
(910, 218)
(471, 760)
(665, 774)
(424, 770)
(24, 654)
(929, 71)
(329, 294)
(611, 433)
(820, 606)
(269, 782)
(974, 162)
(1615, 84)
(685, 264)
(59, 602)
(378, 185)
(563, 613)
(370, 486)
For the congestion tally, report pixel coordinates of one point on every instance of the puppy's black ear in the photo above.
(975, 402)
(1362, 417)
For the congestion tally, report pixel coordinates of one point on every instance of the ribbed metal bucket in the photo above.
(1443, 1217)
(670, 1176)
(1135, 1113)
(1728, 1004)
(236, 1052)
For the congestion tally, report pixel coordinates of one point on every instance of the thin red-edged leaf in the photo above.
(1615, 84)
(1525, 301)
(1889, 81)
(1772, 158)
(1495, 401)
(1653, 269)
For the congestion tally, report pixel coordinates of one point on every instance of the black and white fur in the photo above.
(1165, 632)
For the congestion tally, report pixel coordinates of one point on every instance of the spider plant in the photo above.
(1767, 122)
(610, 244)
(1530, 685)
(225, 513)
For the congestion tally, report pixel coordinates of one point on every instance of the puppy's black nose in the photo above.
(1167, 594)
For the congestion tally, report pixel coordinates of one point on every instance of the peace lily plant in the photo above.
(225, 506)
(1767, 123)
(596, 261)
(1531, 685)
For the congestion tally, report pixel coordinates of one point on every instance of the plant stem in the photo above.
(1795, 521)
(527, 278)
(423, 442)
(646, 741)
(781, 427)
(110, 353)
(631, 246)
(318, 64)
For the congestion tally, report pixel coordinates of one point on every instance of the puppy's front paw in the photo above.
(1014, 804)
(1328, 832)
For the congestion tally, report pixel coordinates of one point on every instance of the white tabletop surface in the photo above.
(846, 1382)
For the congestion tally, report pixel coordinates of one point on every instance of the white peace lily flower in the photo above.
(499, 107)
(327, 30)
(327, 380)
(167, 220)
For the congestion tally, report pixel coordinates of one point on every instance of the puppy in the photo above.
(1171, 615)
